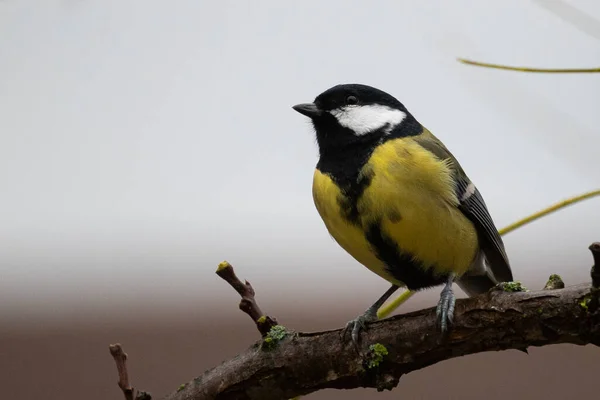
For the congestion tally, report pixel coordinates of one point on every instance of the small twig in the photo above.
(121, 360)
(595, 249)
(529, 69)
(248, 304)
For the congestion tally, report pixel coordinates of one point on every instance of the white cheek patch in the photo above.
(368, 118)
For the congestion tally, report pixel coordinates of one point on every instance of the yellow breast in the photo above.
(411, 195)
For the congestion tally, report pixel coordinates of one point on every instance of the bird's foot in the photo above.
(359, 323)
(445, 307)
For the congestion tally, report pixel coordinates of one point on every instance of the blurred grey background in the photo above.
(143, 142)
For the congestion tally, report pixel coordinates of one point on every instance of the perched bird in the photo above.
(394, 197)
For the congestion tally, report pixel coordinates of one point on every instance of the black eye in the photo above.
(351, 100)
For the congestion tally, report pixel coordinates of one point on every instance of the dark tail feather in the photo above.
(474, 285)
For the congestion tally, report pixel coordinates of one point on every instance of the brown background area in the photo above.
(70, 360)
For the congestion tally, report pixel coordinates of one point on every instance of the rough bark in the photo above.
(302, 363)
(284, 364)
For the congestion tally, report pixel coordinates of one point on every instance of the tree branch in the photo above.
(121, 360)
(248, 304)
(302, 363)
(285, 364)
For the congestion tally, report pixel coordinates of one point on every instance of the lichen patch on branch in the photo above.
(284, 365)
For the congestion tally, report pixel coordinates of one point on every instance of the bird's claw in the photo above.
(357, 324)
(445, 308)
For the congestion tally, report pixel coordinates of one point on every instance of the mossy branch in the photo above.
(302, 363)
(297, 363)
(286, 364)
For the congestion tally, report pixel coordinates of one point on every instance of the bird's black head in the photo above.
(350, 114)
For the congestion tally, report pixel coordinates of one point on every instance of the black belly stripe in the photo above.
(399, 264)
(351, 194)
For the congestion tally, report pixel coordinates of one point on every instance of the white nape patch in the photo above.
(368, 118)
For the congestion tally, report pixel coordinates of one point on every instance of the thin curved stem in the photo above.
(530, 69)
(549, 210)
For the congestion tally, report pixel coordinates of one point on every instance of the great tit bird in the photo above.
(394, 197)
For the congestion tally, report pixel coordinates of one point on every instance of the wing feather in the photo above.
(473, 206)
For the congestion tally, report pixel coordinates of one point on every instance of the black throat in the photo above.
(344, 166)
(343, 156)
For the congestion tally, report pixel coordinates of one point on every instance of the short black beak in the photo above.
(308, 109)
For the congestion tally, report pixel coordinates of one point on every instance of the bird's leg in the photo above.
(445, 307)
(370, 315)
